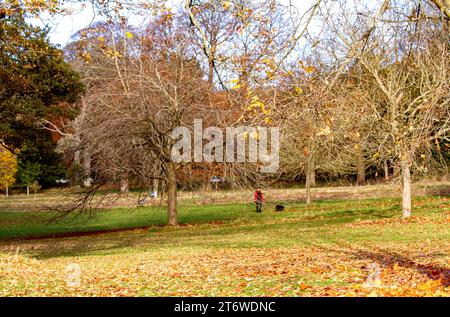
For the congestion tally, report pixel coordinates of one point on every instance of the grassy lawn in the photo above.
(328, 248)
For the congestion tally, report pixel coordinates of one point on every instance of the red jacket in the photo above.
(258, 196)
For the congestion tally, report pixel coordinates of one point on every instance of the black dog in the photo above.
(279, 208)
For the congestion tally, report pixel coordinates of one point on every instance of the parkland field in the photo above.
(346, 243)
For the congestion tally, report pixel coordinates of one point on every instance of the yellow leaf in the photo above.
(309, 69)
(8, 167)
(236, 87)
(270, 75)
(226, 5)
(87, 57)
(298, 91)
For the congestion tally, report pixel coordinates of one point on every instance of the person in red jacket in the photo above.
(258, 196)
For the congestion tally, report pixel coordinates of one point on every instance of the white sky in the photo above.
(63, 27)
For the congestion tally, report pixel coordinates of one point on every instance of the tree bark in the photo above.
(406, 188)
(28, 190)
(360, 170)
(76, 157)
(6, 190)
(397, 170)
(87, 181)
(211, 59)
(313, 177)
(172, 195)
(124, 185)
(207, 186)
(308, 183)
(155, 188)
(210, 70)
(386, 170)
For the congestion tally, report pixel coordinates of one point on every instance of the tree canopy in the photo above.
(35, 83)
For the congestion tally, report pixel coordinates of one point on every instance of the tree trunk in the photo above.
(155, 188)
(211, 61)
(28, 190)
(124, 185)
(163, 190)
(313, 177)
(76, 157)
(172, 195)
(210, 70)
(6, 190)
(386, 170)
(406, 184)
(361, 173)
(207, 186)
(396, 170)
(308, 183)
(361, 177)
(360, 168)
(87, 181)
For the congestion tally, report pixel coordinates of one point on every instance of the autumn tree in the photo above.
(216, 25)
(35, 83)
(405, 65)
(141, 84)
(315, 128)
(415, 111)
(8, 169)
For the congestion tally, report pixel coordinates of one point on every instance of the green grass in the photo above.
(36, 224)
(229, 250)
(297, 215)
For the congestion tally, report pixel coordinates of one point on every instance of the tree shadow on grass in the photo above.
(440, 190)
(388, 258)
(147, 238)
(45, 248)
(121, 240)
(368, 213)
(130, 240)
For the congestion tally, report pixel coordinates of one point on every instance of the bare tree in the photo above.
(140, 87)
(407, 87)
